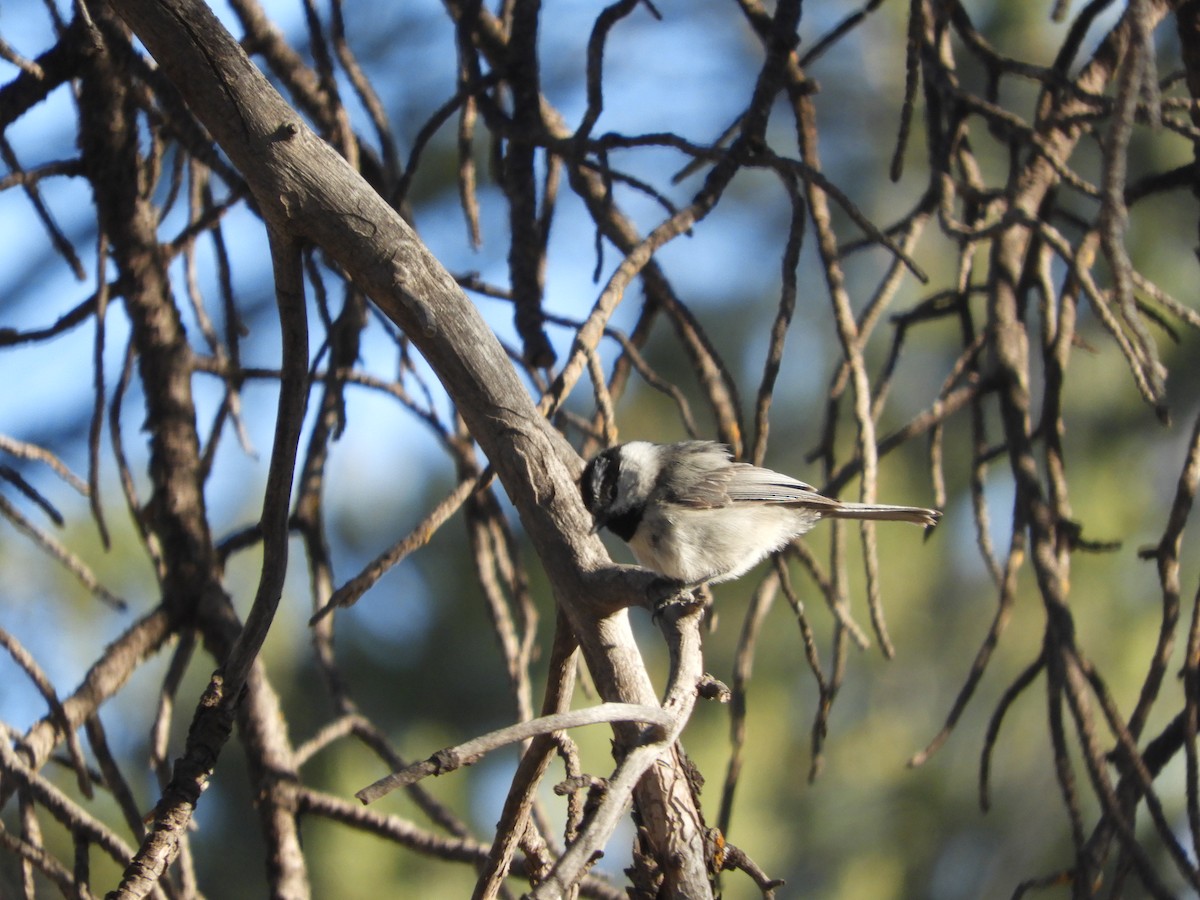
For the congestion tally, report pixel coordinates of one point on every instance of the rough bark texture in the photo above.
(308, 191)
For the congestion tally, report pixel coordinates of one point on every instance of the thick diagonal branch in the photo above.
(308, 192)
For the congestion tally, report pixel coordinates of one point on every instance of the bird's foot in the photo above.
(674, 595)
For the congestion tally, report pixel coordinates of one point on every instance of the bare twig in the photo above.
(472, 751)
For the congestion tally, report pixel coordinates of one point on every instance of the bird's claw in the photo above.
(670, 593)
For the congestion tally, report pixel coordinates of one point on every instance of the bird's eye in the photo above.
(607, 476)
(599, 484)
(587, 486)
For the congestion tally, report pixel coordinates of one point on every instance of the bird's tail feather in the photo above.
(884, 513)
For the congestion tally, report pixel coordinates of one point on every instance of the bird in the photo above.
(692, 514)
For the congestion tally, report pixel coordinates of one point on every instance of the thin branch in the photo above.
(470, 752)
(683, 632)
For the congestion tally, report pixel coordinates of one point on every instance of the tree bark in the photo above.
(307, 191)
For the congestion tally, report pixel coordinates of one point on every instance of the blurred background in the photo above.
(416, 651)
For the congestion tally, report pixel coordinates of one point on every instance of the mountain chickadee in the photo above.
(693, 515)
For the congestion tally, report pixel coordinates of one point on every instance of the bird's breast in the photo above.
(698, 545)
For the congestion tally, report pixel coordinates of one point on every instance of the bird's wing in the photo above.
(706, 479)
(751, 484)
(700, 476)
